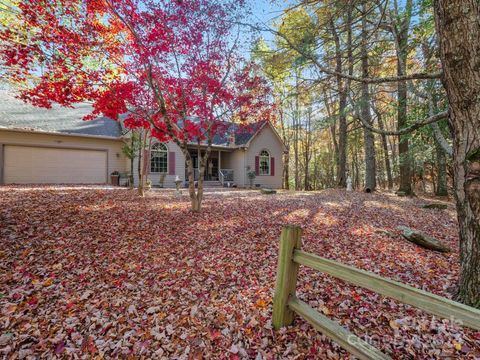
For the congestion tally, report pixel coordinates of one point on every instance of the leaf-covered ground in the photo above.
(90, 272)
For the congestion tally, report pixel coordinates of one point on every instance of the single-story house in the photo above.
(55, 146)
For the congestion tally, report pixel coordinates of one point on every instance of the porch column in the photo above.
(219, 160)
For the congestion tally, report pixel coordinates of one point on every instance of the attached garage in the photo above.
(52, 165)
(56, 146)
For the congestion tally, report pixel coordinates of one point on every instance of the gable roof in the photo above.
(243, 133)
(15, 114)
(18, 115)
(275, 132)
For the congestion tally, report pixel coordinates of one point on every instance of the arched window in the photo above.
(158, 158)
(264, 163)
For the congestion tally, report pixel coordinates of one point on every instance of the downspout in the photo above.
(244, 167)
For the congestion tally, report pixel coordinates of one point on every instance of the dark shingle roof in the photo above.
(15, 114)
(243, 133)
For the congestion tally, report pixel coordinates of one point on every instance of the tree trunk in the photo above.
(131, 178)
(355, 161)
(342, 108)
(403, 153)
(388, 168)
(196, 197)
(286, 155)
(442, 148)
(342, 146)
(458, 29)
(400, 31)
(334, 170)
(333, 133)
(441, 188)
(392, 140)
(296, 120)
(141, 187)
(201, 174)
(195, 206)
(286, 184)
(306, 184)
(368, 137)
(369, 148)
(307, 149)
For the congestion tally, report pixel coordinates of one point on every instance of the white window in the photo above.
(158, 158)
(264, 163)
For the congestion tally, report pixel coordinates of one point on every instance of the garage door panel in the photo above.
(26, 165)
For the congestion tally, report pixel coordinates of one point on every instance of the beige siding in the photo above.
(237, 164)
(112, 147)
(237, 160)
(225, 160)
(268, 140)
(169, 179)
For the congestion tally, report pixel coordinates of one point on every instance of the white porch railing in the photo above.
(225, 176)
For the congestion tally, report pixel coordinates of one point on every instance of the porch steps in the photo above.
(212, 184)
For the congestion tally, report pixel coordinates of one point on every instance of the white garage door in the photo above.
(37, 165)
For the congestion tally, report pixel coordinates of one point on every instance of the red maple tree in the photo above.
(174, 67)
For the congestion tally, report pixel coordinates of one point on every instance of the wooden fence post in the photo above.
(290, 239)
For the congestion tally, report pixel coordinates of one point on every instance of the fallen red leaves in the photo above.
(102, 272)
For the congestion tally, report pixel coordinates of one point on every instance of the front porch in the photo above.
(217, 169)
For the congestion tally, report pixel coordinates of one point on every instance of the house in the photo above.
(55, 146)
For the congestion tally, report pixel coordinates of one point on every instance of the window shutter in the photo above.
(257, 165)
(272, 166)
(171, 163)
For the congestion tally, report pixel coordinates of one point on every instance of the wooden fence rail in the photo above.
(286, 304)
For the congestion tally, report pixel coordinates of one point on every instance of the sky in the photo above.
(265, 12)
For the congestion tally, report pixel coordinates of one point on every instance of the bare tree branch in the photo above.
(437, 133)
(320, 67)
(407, 130)
(440, 139)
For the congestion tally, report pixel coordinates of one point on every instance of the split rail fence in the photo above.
(286, 304)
